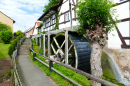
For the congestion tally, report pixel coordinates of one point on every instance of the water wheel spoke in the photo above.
(56, 43)
(63, 43)
(53, 49)
(70, 47)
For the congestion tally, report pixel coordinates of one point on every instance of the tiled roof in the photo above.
(38, 23)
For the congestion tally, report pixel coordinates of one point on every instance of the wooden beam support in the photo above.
(43, 44)
(40, 42)
(66, 47)
(36, 41)
(49, 44)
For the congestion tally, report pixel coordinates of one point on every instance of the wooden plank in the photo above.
(48, 44)
(66, 47)
(43, 44)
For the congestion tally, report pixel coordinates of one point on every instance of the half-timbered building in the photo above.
(63, 14)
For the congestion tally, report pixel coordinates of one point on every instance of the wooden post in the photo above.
(32, 46)
(40, 42)
(34, 55)
(50, 65)
(66, 47)
(43, 44)
(36, 41)
(49, 44)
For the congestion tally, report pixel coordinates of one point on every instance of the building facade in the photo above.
(6, 20)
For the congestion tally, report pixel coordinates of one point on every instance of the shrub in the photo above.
(4, 27)
(6, 36)
(19, 32)
(14, 44)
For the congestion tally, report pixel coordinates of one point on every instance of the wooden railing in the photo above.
(104, 82)
(17, 81)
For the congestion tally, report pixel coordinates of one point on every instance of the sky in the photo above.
(24, 12)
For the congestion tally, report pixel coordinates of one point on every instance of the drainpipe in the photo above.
(70, 8)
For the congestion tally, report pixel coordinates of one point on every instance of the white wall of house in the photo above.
(35, 29)
(65, 15)
(122, 12)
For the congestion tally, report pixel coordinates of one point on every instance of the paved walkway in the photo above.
(30, 75)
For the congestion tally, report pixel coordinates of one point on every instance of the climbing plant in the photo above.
(95, 18)
(51, 3)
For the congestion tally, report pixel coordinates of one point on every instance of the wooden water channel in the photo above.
(104, 82)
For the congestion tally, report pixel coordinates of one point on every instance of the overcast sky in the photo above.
(24, 12)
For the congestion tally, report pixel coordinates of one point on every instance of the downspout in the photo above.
(70, 8)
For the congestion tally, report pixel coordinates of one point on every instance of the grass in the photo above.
(9, 72)
(61, 81)
(4, 50)
(71, 74)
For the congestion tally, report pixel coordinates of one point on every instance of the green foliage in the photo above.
(6, 36)
(4, 50)
(41, 23)
(3, 75)
(57, 26)
(44, 32)
(19, 32)
(51, 3)
(14, 44)
(61, 81)
(4, 27)
(89, 11)
(9, 72)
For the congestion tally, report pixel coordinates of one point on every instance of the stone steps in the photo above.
(26, 43)
(23, 49)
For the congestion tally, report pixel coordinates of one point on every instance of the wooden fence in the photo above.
(104, 82)
(17, 81)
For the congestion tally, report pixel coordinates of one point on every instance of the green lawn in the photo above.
(4, 50)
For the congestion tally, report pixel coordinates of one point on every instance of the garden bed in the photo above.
(5, 72)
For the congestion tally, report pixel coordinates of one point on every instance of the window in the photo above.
(44, 25)
(67, 16)
(121, 0)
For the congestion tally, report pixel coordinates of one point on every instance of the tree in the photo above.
(19, 32)
(95, 21)
(6, 36)
(51, 3)
(4, 27)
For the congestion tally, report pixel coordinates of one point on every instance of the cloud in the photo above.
(24, 12)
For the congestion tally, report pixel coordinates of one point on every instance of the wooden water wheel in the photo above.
(78, 50)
